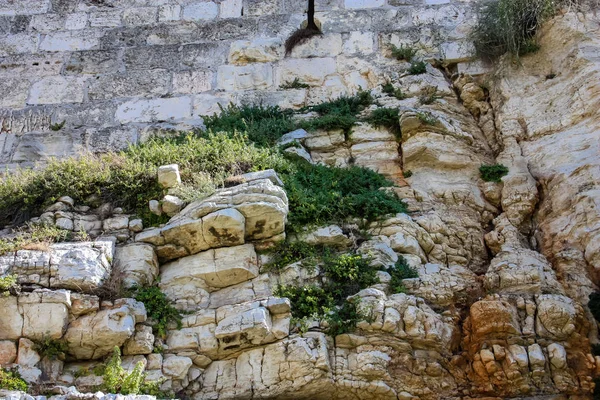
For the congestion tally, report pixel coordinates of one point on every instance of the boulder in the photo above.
(136, 264)
(168, 175)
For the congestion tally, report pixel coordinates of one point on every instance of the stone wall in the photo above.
(117, 71)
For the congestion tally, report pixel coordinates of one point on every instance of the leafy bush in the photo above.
(159, 308)
(34, 236)
(400, 271)
(343, 276)
(51, 348)
(319, 195)
(330, 122)
(403, 52)
(493, 173)
(286, 253)
(264, 125)
(128, 179)
(295, 84)
(389, 89)
(8, 284)
(388, 118)
(10, 379)
(427, 118)
(417, 68)
(117, 380)
(510, 26)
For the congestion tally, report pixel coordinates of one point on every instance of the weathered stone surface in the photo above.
(168, 175)
(8, 352)
(243, 52)
(136, 264)
(94, 336)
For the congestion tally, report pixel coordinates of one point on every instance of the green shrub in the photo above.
(51, 348)
(427, 118)
(320, 195)
(264, 125)
(343, 275)
(159, 308)
(10, 379)
(34, 236)
(510, 25)
(417, 68)
(58, 126)
(286, 253)
(118, 381)
(8, 284)
(330, 122)
(407, 174)
(307, 301)
(403, 52)
(389, 89)
(493, 173)
(386, 117)
(295, 84)
(128, 179)
(400, 271)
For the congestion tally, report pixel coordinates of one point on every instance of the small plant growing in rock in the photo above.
(295, 84)
(427, 118)
(400, 271)
(389, 89)
(286, 253)
(417, 68)
(403, 53)
(10, 379)
(33, 237)
(116, 380)
(493, 173)
(407, 174)
(57, 126)
(159, 308)
(388, 118)
(51, 348)
(8, 285)
(429, 95)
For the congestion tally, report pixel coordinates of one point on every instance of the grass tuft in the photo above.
(403, 53)
(493, 173)
(388, 118)
(417, 68)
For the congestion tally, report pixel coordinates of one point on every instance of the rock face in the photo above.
(499, 307)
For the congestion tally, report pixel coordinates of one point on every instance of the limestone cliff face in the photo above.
(499, 309)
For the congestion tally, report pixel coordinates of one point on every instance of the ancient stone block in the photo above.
(57, 89)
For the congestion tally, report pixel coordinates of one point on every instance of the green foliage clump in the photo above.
(339, 113)
(51, 348)
(10, 379)
(386, 117)
(400, 271)
(286, 253)
(319, 195)
(493, 173)
(407, 174)
(295, 84)
(118, 381)
(389, 89)
(128, 179)
(509, 26)
(159, 308)
(33, 236)
(403, 53)
(58, 126)
(343, 275)
(263, 124)
(427, 118)
(417, 68)
(8, 284)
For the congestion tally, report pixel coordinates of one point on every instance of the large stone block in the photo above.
(44, 320)
(253, 76)
(11, 327)
(8, 352)
(243, 52)
(311, 71)
(57, 89)
(136, 264)
(70, 41)
(216, 268)
(155, 110)
(204, 10)
(153, 83)
(24, 7)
